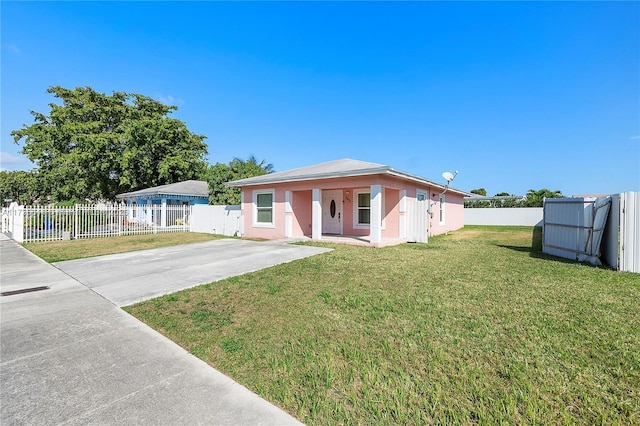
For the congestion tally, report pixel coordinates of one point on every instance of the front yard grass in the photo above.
(58, 251)
(477, 327)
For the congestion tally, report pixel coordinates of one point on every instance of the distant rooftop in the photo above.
(192, 188)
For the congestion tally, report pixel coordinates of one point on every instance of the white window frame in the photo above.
(442, 202)
(255, 222)
(356, 224)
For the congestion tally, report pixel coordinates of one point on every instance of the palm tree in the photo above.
(536, 198)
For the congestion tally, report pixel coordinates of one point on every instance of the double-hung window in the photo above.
(364, 208)
(263, 201)
(441, 209)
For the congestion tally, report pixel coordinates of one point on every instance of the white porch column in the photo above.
(243, 214)
(375, 220)
(163, 218)
(316, 214)
(288, 215)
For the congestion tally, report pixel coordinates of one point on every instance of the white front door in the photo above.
(332, 212)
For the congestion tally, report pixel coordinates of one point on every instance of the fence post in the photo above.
(17, 227)
(75, 224)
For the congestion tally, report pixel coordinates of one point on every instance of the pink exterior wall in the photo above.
(454, 213)
(274, 233)
(391, 213)
(302, 213)
(301, 201)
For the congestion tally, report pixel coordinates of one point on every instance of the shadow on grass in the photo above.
(535, 250)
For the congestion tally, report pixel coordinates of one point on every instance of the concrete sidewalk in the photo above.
(69, 356)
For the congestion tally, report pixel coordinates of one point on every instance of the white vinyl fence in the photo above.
(48, 223)
(504, 216)
(417, 218)
(574, 226)
(630, 232)
(222, 220)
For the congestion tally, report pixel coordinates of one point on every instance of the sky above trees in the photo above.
(514, 95)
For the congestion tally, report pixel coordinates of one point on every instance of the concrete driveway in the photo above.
(69, 356)
(128, 278)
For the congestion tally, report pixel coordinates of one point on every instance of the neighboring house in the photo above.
(351, 198)
(145, 202)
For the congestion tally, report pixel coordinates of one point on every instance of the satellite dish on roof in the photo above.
(448, 176)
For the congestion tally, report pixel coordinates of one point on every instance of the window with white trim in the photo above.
(362, 209)
(263, 202)
(441, 209)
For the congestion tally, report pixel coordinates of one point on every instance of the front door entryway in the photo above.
(332, 212)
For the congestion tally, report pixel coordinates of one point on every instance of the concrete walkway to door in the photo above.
(69, 356)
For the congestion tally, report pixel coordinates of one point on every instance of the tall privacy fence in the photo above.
(573, 228)
(516, 216)
(595, 229)
(49, 223)
(578, 228)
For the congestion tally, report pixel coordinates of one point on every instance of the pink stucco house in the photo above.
(372, 202)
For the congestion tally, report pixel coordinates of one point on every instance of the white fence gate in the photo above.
(572, 226)
(417, 220)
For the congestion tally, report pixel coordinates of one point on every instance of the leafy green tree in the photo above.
(19, 186)
(502, 194)
(479, 191)
(237, 168)
(95, 146)
(535, 198)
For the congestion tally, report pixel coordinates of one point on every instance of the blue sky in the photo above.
(514, 95)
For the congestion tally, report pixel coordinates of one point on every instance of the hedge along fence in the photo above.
(48, 223)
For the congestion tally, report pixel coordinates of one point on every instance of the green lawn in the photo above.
(475, 327)
(57, 251)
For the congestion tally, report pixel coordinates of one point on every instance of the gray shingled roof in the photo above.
(193, 188)
(345, 167)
